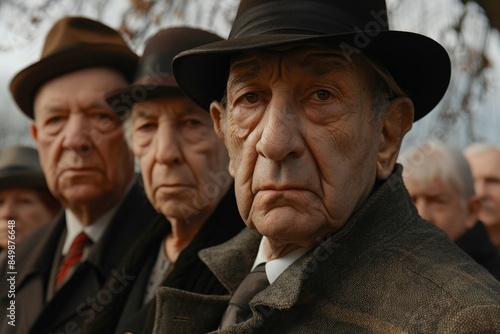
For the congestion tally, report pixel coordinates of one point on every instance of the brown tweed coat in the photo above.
(386, 271)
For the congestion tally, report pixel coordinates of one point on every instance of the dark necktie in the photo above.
(73, 257)
(238, 309)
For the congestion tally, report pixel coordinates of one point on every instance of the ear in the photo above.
(396, 122)
(216, 111)
(473, 205)
(34, 131)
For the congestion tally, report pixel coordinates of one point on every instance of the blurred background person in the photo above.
(184, 167)
(440, 183)
(24, 196)
(484, 160)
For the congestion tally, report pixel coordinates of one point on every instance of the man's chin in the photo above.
(81, 194)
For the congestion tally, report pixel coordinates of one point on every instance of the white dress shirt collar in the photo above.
(276, 267)
(95, 230)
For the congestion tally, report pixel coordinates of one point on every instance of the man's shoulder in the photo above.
(414, 281)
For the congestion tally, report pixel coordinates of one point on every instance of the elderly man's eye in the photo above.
(193, 122)
(147, 126)
(322, 95)
(252, 97)
(53, 120)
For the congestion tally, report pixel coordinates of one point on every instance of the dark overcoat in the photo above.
(82, 296)
(127, 313)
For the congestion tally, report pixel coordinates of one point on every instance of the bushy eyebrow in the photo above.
(143, 113)
(246, 70)
(57, 108)
(321, 64)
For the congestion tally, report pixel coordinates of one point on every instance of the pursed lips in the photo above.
(173, 186)
(281, 188)
(78, 170)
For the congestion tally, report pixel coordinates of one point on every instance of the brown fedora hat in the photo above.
(73, 43)
(154, 77)
(419, 64)
(19, 167)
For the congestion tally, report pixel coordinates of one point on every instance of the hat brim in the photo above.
(22, 179)
(26, 83)
(420, 65)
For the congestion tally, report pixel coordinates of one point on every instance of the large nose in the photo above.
(281, 135)
(77, 134)
(168, 144)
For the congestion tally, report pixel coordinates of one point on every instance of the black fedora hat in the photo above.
(73, 43)
(419, 64)
(19, 167)
(154, 77)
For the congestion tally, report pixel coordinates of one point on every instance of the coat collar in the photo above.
(130, 220)
(237, 253)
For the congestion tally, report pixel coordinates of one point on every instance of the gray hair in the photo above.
(481, 147)
(436, 160)
(385, 87)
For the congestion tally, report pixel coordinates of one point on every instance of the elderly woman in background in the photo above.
(25, 200)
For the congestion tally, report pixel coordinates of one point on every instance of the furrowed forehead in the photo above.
(171, 106)
(316, 60)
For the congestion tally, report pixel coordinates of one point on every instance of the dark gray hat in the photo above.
(154, 77)
(19, 167)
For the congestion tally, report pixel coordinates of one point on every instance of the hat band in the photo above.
(311, 18)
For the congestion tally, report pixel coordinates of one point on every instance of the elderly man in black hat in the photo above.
(89, 168)
(312, 99)
(184, 168)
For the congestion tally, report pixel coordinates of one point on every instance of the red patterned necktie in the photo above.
(73, 257)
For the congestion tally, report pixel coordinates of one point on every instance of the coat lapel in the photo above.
(77, 297)
(130, 221)
(230, 262)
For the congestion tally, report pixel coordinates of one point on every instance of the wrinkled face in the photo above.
(303, 144)
(81, 144)
(24, 206)
(486, 171)
(441, 204)
(183, 162)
